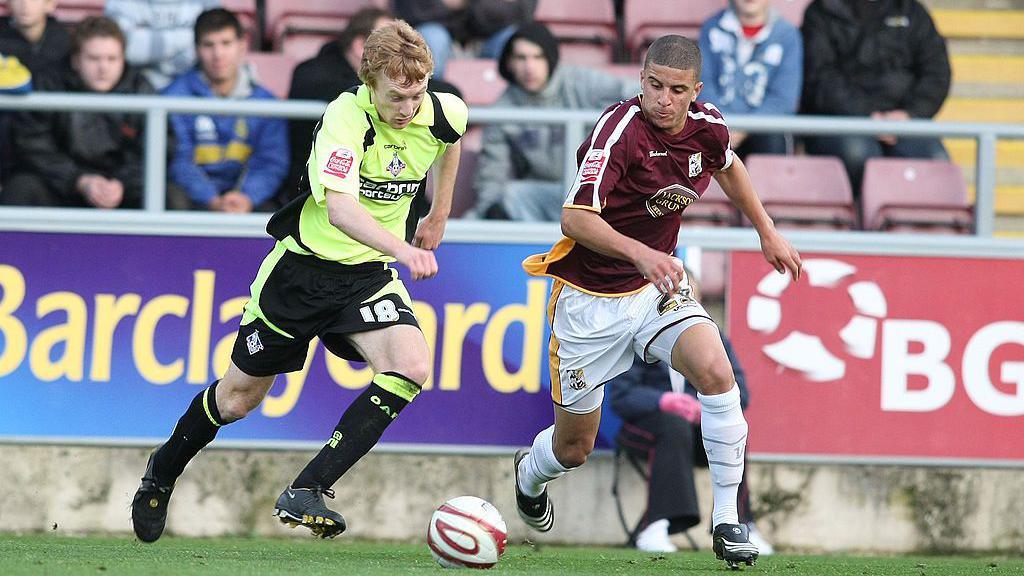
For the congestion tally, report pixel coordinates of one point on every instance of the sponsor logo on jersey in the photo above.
(670, 199)
(253, 342)
(656, 154)
(388, 191)
(340, 163)
(577, 380)
(396, 165)
(695, 165)
(593, 164)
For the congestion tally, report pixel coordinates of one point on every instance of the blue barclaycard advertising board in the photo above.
(108, 337)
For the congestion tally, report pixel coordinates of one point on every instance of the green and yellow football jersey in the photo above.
(355, 152)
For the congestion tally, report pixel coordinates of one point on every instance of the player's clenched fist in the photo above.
(421, 263)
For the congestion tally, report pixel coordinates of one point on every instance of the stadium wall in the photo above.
(76, 489)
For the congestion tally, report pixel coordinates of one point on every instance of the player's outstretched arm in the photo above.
(431, 229)
(590, 230)
(347, 215)
(736, 184)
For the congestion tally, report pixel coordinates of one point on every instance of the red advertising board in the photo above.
(877, 356)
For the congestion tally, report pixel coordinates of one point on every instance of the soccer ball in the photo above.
(467, 532)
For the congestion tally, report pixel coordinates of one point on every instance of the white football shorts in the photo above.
(595, 338)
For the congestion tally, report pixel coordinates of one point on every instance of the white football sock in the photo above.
(540, 466)
(725, 440)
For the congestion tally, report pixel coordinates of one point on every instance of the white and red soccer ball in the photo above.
(467, 532)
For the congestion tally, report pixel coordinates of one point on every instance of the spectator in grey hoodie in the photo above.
(521, 166)
(159, 33)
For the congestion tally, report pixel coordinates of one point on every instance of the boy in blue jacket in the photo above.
(753, 64)
(224, 163)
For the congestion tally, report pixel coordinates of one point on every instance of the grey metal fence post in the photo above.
(985, 185)
(156, 160)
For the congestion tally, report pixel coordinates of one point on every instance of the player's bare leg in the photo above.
(226, 400)
(555, 451)
(699, 355)
(401, 361)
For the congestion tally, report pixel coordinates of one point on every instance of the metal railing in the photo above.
(576, 122)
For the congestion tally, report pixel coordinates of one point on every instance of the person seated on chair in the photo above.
(661, 426)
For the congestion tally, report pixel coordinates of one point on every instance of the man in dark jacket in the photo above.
(33, 36)
(880, 58)
(661, 427)
(73, 158)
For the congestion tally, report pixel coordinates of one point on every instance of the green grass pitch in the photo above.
(44, 554)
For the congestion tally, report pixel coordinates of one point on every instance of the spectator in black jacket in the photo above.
(661, 427)
(879, 58)
(75, 158)
(33, 36)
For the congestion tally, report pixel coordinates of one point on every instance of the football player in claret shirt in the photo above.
(329, 276)
(618, 290)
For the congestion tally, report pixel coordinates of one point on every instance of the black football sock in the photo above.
(360, 427)
(196, 428)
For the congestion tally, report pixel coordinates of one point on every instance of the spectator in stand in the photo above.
(33, 36)
(521, 167)
(74, 158)
(225, 163)
(882, 59)
(330, 73)
(446, 22)
(661, 426)
(753, 64)
(159, 34)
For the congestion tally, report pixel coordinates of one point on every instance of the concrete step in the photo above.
(1004, 110)
(1009, 153)
(985, 46)
(934, 5)
(1009, 200)
(956, 23)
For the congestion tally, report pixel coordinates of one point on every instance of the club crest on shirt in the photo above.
(340, 163)
(695, 167)
(592, 166)
(396, 165)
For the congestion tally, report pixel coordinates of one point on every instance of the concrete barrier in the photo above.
(390, 496)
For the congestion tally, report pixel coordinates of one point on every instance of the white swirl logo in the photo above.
(806, 353)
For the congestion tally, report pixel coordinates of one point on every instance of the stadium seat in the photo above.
(465, 194)
(477, 78)
(803, 191)
(585, 29)
(248, 15)
(69, 10)
(713, 209)
(792, 10)
(902, 194)
(646, 20)
(273, 71)
(288, 22)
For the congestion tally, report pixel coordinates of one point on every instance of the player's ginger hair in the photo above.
(399, 52)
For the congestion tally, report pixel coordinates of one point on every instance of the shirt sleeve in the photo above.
(604, 161)
(338, 149)
(719, 154)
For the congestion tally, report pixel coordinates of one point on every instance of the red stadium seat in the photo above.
(902, 194)
(321, 19)
(477, 78)
(69, 10)
(273, 71)
(803, 191)
(713, 209)
(465, 194)
(247, 14)
(792, 10)
(585, 29)
(646, 20)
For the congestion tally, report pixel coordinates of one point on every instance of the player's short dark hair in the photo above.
(215, 20)
(674, 51)
(96, 27)
(361, 25)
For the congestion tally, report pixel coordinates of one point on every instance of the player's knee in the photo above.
(573, 453)
(416, 369)
(714, 377)
(237, 404)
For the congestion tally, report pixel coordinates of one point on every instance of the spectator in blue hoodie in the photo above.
(753, 64)
(224, 163)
